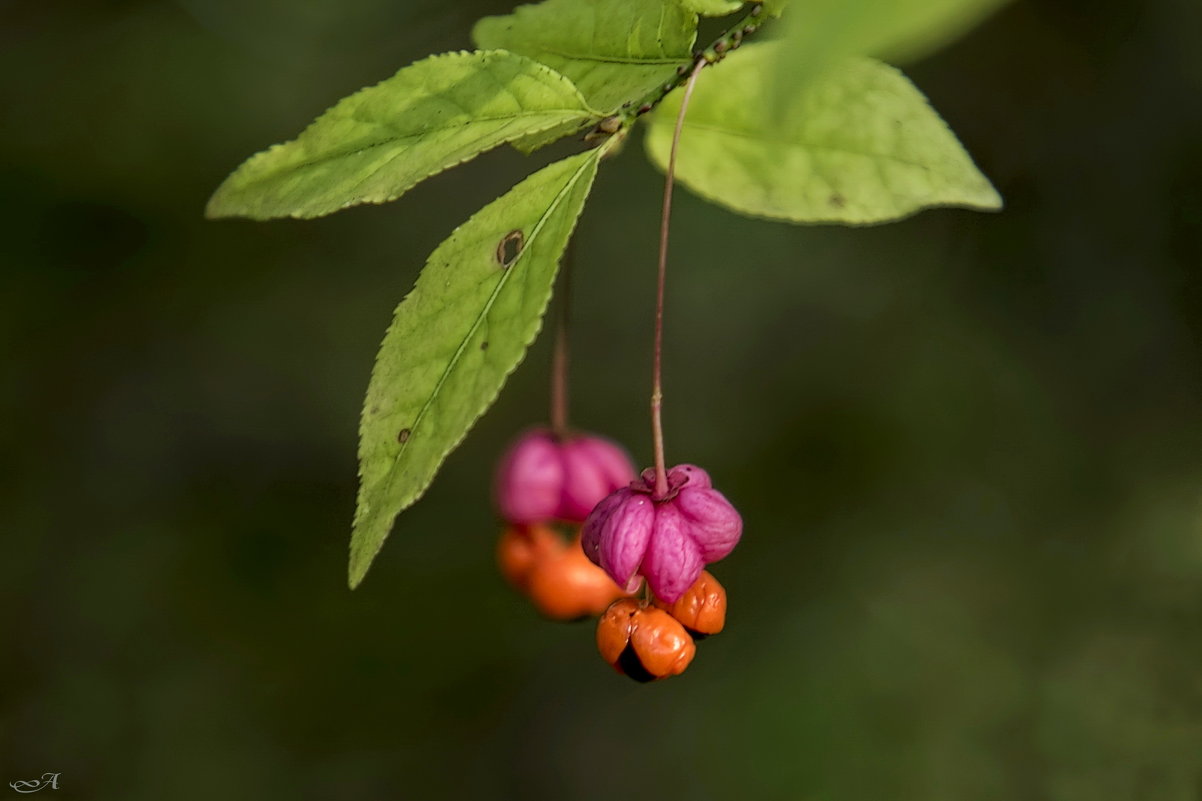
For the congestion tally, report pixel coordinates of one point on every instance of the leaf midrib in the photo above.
(566, 113)
(651, 62)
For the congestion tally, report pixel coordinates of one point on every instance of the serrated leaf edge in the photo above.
(592, 116)
(356, 576)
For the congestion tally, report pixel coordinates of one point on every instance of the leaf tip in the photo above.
(981, 197)
(224, 204)
(360, 563)
(992, 199)
(213, 209)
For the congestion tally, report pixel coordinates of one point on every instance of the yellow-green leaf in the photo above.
(379, 142)
(454, 340)
(615, 51)
(859, 145)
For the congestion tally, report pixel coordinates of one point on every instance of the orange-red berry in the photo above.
(521, 548)
(614, 629)
(662, 645)
(702, 608)
(643, 642)
(567, 586)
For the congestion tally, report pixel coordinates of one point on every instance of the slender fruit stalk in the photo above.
(657, 394)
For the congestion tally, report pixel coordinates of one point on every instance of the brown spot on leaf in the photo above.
(403, 437)
(837, 200)
(509, 248)
(484, 345)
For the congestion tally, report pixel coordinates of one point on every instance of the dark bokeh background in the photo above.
(967, 447)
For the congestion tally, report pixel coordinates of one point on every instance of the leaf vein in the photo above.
(333, 155)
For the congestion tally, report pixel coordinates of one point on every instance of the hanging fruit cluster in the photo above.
(633, 537)
(656, 532)
(853, 142)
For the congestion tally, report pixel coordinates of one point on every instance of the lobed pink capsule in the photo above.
(667, 540)
(544, 477)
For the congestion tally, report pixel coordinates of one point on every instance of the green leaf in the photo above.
(532, 142)
(615, 51)
(860, 145)
(822, 32)
(379, 142)
(455, 339)
(712, 8)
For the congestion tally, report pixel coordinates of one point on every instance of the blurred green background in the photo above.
(967, 447)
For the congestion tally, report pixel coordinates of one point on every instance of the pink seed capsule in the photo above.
(668, 540)
(593, 468)
(544, 477)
